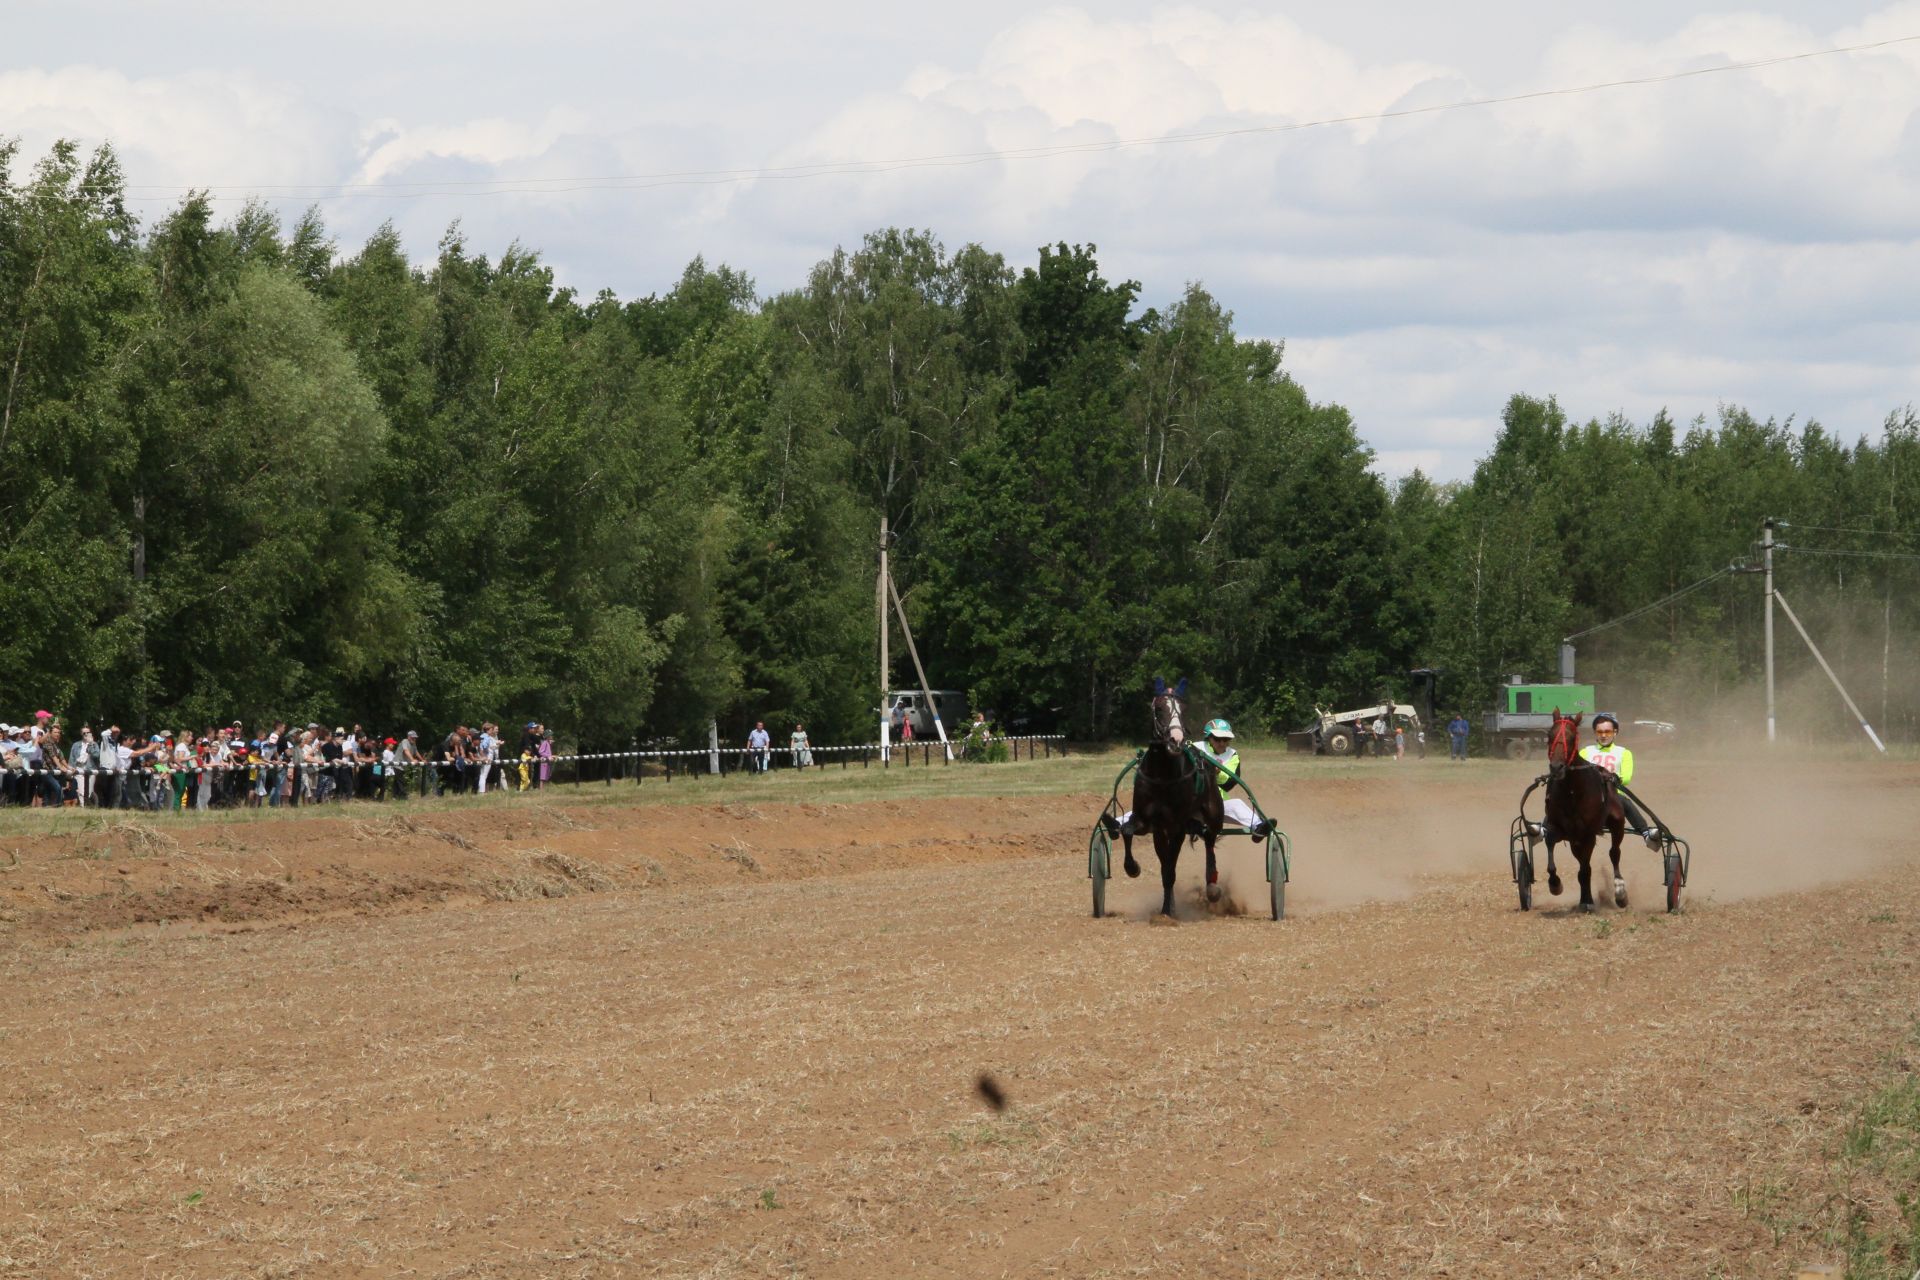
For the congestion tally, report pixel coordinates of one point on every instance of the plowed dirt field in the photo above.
(736, 1029)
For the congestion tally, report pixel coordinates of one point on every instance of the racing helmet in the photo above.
(1609, 717)
(1218, 729)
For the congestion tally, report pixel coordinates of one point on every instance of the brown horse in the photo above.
(1580, 805)
(1173, 796)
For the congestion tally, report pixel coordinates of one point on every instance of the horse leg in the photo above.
(1168, 847)
(1126, 845)
(1553, 875)
(1213, 871)
(1583, 850)
(1617, 827)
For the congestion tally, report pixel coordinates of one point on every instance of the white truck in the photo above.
(1341, 733)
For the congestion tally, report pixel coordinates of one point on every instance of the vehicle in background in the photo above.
(1350, 733)
(912, 704)
(1517, 727)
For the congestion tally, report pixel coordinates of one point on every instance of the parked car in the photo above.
(913, 705)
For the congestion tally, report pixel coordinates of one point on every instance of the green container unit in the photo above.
(1545, 699)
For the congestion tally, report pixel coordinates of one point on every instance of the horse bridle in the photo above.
(1175, 731)
(1573, 759)
(1174, 737)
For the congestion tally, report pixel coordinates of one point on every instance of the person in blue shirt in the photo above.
(1457, 729)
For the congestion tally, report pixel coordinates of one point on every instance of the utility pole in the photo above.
(926, 691)
(1766, 553)
(880, 600)
(884, 590)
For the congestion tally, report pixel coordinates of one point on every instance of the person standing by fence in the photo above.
(758, 744)
(801, 748)
(86, 762)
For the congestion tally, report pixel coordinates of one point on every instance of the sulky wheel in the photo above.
(1277, 874)
(1520, 856)
(1099, 868)
(1675, 878)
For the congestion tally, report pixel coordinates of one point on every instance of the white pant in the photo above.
(486, 768)
(1238, 813)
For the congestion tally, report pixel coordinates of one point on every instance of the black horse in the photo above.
(1173, 796)
(1580, 805)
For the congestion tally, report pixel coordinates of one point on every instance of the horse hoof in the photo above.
(1213, 893)
(1553, 885)
(1620, 893)
(1586, 908)
(1132, 868)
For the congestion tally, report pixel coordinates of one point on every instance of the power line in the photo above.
(1865, 533)
(1858, 555)
(1715, 576)
(852, 168)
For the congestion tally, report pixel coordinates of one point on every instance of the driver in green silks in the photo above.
(1219, 749)
(1219, 735)
(1618, 761)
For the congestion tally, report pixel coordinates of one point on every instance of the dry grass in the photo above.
(402, 826)
(542, 873)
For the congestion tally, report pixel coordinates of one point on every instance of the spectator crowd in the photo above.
(42, 766)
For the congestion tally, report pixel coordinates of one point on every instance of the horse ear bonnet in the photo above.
(1159, 685)
(1180, 690)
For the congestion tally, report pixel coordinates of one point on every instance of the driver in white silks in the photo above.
(1219, 749)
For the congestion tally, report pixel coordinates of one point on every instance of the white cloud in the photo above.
(198, 128)
(1743, 237)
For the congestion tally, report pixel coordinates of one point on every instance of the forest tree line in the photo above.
(247, 472)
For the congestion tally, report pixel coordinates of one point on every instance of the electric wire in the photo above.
(853, 168)
(1822, 528)
(1713, 577)
(1834, 551)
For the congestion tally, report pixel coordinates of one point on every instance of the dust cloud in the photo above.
(1767, 823)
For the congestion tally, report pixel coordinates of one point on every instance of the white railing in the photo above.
(143, 782)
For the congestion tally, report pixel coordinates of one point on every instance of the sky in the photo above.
(1745, 237)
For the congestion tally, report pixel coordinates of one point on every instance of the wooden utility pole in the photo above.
(880, 601)
(933, 704)
(884, 590)
(1766, 551)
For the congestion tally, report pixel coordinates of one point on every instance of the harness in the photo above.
(1196, 766)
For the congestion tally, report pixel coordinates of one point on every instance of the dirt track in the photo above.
(742, 1039)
